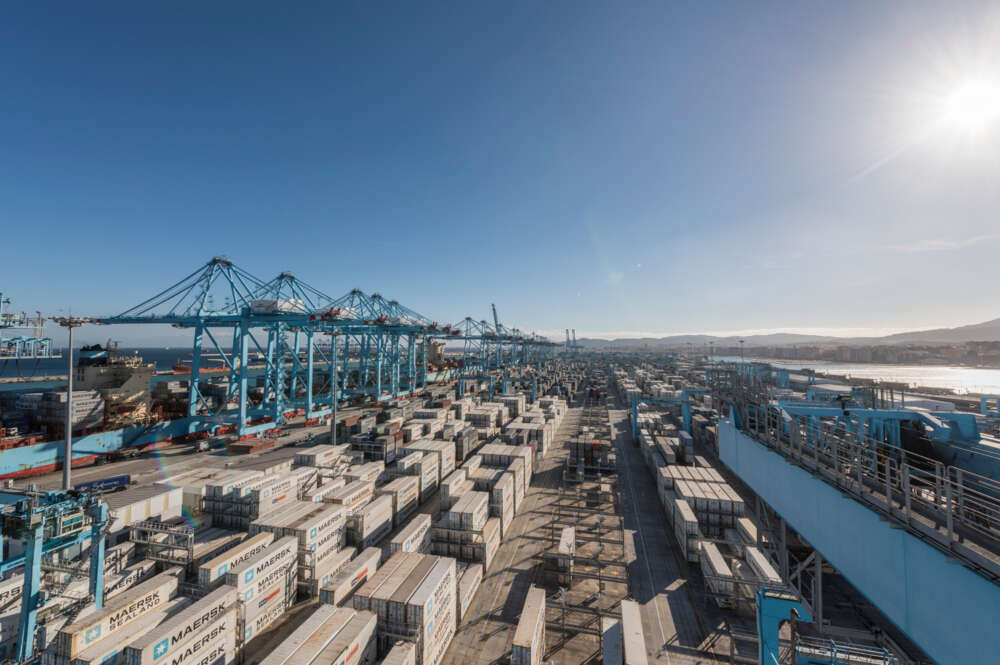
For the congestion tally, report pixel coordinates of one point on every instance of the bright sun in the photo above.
(974, 106)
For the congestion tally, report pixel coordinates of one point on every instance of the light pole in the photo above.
(333, 387)
(69, 322)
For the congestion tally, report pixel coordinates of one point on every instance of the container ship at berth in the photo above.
(120, 402)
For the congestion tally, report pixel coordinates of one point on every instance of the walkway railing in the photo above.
(949, 507)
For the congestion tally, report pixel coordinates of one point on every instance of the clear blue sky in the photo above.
(614, 167)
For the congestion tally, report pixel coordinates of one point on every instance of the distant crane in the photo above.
(23, 347)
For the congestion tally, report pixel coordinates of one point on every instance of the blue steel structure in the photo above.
(50, 522)
(684, 401)
(919, 535)
(23, 347)
(488, 352)
(776, 607)
(377, 347)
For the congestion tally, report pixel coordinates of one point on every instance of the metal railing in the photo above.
(839, 653)
(952, 508)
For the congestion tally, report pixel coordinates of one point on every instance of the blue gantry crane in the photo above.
(49, 522)
(377, 346)
(33, 346)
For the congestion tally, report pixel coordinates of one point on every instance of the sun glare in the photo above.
(974, 106)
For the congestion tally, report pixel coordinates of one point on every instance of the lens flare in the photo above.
(973, 107)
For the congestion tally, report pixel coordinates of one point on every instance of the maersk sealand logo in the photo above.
(312, 533)
(160, 649)
(223, 569)
(248, 576)
(92, 634)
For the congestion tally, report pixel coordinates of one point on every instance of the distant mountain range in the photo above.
(988, 331)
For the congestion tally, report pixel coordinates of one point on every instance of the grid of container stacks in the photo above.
(707, 515)
(198, 569)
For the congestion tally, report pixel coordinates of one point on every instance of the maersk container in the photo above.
(354, 574)
(468, 583)
(214, 572)
(521, 479)
(301, 647)
(117, 614)
(470, 512)
(387, 574)
(321, 494)
(170, 636)
(370, 472)
(401, 653)
(115, 584)
(378, 599)
(455, 480)
(10, 591)
(216, 647)
(277, 521)
(529, 637)
(371, 523)
(227, 483)
(393, 608)
(272, 522)
(254, 627)
(407, 462)
(473, 463)
(263, 590)
(443, 450)
(327, 547)
(304, 474)
(140, 504)
(110, 651)
(116, 559)
(353, 495)
(281, 593)
(270, 467)
(272, 487)
(438, 634)
(317, 527)
(747, 530)
(325, 571)
(632, 636)
(491, 541)
(761, 565)
(278, 556)
(427, 471)
(414, 537)
(320, 456)
(321, 638)
(405, 493)
(437, 589)
(502, 494)
(354, 644)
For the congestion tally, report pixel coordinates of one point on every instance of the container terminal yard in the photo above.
(367, 498)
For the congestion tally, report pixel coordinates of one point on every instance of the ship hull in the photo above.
(46, 456)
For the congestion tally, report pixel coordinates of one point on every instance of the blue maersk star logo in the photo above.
(161, 648)
(92, 634)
